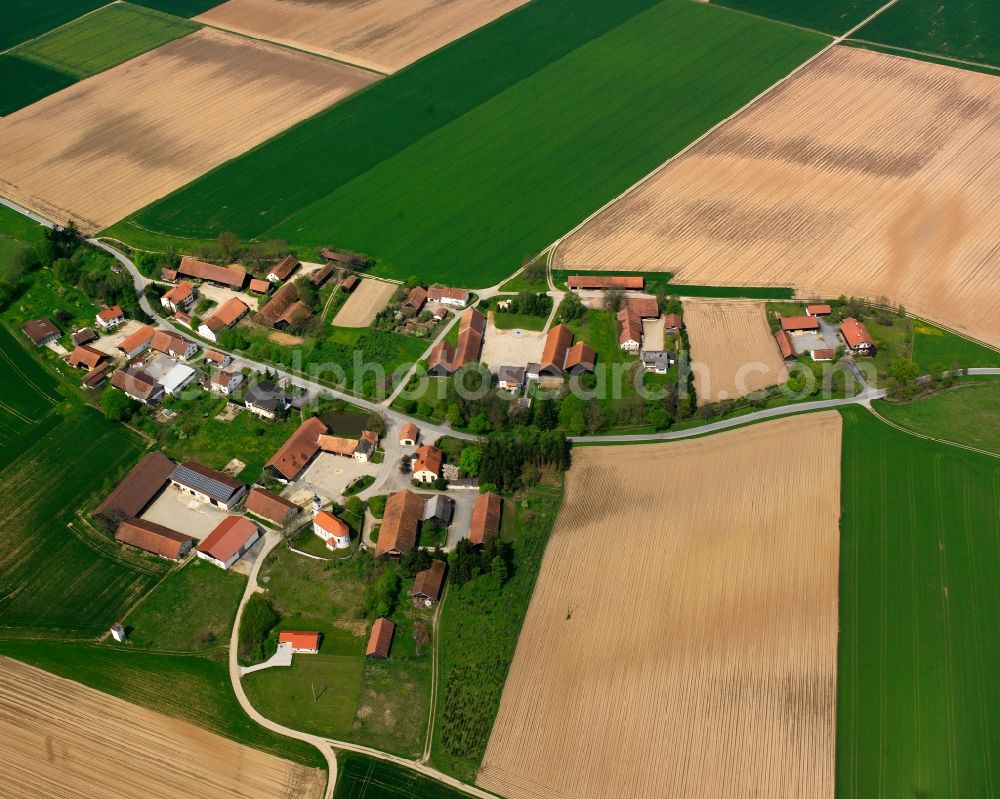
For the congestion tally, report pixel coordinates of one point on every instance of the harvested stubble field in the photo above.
(865, 174)
(448, 181)
(732, 350)
(384, 35)
(370, 297)
(697, 648)
(63, 740)
(111, 144)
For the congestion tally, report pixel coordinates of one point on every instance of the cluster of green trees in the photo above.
(259, 618)
(74, 262)
(383, 594)
(507, 458)
(528, 303)
(468, 562)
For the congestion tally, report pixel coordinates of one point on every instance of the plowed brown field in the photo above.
(385, 35)
(370, 297)
(62, 740)
(682, 638)
(864, 174)
(115, 142)
(732, 350)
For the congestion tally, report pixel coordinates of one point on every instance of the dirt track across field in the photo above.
(384, 35)
(865, 174)
(113, 143)
(732, 350)
(370, 297)
(682, 637)
(62, 740)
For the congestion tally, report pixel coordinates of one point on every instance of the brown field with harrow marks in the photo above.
(370, 297)
(865, 174)
(732, 350)
(113, 143)
(682, 637)
(62, 740)
(384, 35)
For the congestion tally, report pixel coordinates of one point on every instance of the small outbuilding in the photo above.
(380, 640)
(428, 584)
(301, 643)
(409, 434)
(270, 506)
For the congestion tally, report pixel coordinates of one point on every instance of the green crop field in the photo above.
(25, 19)
(968, 414)
(182, 8)
(969, 29)
(88, 582)
(23, 82)
(360, 777)
(458, 183)
(26, 399)
(829, 16)
(101, 40)
(917, 712)
(935, 350)
(186, 687)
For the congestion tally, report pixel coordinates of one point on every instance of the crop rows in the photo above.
(864, 175)
(679, 645)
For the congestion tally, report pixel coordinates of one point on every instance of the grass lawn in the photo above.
(360, 777)
(968, 414)
(936, 350)
(25, 19)
(286, 695)
(509, 321)
(328, 597)
(22, 82)
(104, 39)
(968, 29)
(467, 156)
(17, 226)
(192, 610)
(186, 687)
(660, 281)
(44, 295)
(829, 16)
(521, 283)
(478, 635)
(919, 567)
(214, 443)
(395, 693)
(377, 704)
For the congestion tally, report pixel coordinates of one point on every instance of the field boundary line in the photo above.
(435, 658)
(967, 61)
(287, 46)
(932, 438)
(10, 50)
(553, 248)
